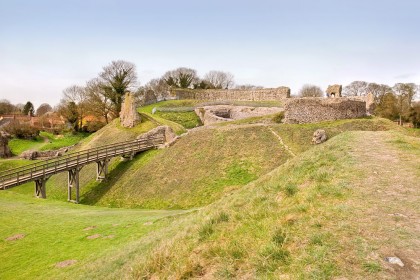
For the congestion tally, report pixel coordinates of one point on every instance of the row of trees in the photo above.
(395, 103)
(187, 78)
(7, 108)
(103, 95)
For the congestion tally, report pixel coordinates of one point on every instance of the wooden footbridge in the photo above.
(72, 163)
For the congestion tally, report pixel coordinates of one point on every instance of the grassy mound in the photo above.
(326, 214)
(197, 170)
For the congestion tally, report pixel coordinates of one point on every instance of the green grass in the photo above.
(271, 235)
(186, 119)
(56, 142)
(45, 141)
(199, 169)
(55, 232)
(6, 164)
(298, 136)
(311, 218)
(17, 146)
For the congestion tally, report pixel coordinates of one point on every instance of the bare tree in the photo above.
(159, 87)
(219, 79)
(356, 88)
(43, 108)
(76, 98)
(310, 91)
(378, 91)
(117, 79)
(181, 78)
(99, 103)
(6, 107)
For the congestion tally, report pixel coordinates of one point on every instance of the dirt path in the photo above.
(387, 201)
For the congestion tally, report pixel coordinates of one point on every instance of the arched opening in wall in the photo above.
(332, 95)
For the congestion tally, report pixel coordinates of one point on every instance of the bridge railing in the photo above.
(52, 166)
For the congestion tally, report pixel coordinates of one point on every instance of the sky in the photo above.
(48, 45)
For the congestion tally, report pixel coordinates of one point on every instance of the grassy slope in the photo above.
(298, 136)
(328, 213)
(6, 164)
(196, 170)
(55, 232)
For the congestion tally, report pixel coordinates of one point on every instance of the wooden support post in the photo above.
(40, 191)
(101, 169)
(73, 182)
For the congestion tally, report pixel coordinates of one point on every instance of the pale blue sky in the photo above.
(46, 46)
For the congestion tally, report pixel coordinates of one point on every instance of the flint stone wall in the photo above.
(369, 99)
(310, 110)
(32, 154)
(222, 113)
(267, 94)
(129, 116)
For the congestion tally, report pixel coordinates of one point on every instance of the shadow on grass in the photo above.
(97, 189)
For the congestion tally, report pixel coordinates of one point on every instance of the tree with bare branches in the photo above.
(43, 108)
(356, 88)
(219, 79)
(74, 105)
(310, 91)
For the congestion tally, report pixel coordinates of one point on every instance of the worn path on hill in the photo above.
(387, 200)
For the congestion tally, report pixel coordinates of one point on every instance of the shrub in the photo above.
(21, 130)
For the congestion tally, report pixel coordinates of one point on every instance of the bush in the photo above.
(21, 130)
(93, 126)
(278, 117)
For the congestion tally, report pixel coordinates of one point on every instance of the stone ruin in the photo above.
(169, 135)
(334, 91)
(4, 145)
(265, 94)
(315, 109)
(221, 113)
(129, 116)
(32, 154)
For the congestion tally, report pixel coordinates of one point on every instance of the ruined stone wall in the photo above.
(267, 94)
(222, 113)
(370, 102)
(310, 110)
(129, 116)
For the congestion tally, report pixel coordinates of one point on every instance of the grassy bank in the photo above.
(312, 218)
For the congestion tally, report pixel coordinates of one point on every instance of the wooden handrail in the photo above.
(52, 166)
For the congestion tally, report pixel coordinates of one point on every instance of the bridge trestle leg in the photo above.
(40, 190)
(73, 182)
(101, 169)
